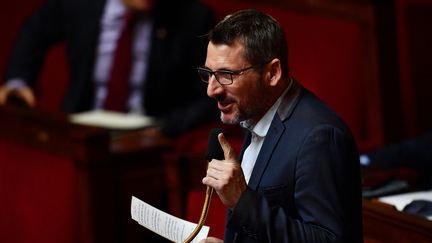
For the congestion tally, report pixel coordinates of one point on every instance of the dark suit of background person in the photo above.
(413, 153)
(172, 91)
(306, 172)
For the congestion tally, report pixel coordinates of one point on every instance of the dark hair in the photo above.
(261, 34)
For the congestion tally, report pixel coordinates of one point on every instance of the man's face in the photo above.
(140, 5)
(241, 100)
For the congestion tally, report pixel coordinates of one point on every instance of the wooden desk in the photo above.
(61, 182)
(383, 223)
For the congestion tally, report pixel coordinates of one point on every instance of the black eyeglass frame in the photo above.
(231, 73)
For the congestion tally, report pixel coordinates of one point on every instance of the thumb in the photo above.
(226, 147)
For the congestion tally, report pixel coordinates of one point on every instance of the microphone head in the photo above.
(214, 149)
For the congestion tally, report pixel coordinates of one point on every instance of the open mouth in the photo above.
(225, 107)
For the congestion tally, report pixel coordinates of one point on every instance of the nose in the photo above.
(214, 88)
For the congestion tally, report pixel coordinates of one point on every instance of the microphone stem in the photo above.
(204, 212)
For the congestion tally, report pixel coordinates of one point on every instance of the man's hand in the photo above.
(226, 176)
(211, 240)
(24, 93)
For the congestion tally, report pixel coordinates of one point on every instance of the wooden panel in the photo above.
(383, 223)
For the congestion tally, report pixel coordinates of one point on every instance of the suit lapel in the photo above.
(272, 138)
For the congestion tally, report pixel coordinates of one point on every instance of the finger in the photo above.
(27, 95)
(226, 147)
(216, 165)
(3, 92)
(214, 172)
(210, 181)
(213, 240)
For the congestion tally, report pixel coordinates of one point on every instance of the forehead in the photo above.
(220, 56)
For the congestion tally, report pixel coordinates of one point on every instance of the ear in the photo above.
(274, 72)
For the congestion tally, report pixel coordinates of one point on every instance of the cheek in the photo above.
(253, 100)
(241, 99)
(246, 93)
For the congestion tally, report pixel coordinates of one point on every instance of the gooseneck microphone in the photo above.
(214, 151)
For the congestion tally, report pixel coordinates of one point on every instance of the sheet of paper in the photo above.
(164, 224)
(401, 200)
(112, 120)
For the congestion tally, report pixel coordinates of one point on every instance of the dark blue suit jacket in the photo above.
(305, 186)
(173, 91)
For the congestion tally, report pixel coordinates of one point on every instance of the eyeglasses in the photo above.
(224, 77)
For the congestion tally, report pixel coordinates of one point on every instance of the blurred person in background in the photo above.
(156, 77)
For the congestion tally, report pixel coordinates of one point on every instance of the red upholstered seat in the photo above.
(39, 196)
